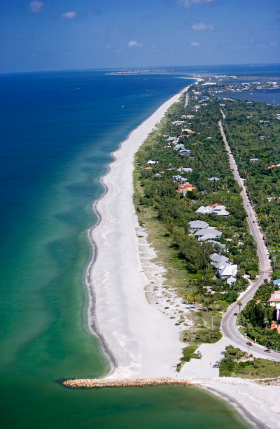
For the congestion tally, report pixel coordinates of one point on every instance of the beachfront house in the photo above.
(207, 234)
(185, 152)
(197, 224)
(274, 299)
(231, 280)
(204, 210)
(218, 260)
(227, 270)
(276, 282)
(217, 243)
(217, 209)
(186, 187)
(179, 147)
(178, 178)
(177, 122)
(185, 170)
(188, 131)
(213, 179)
(221, 211)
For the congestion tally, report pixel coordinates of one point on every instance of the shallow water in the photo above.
(57, 133)
(270, 96)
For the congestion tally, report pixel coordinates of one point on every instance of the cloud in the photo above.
(273, 44)
(199, 26)
(69, 15)
(195, 44)
(36, 6)
(133, 43)
(189, 3)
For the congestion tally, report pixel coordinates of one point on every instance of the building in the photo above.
(217, 243)
(185, 170)
(208, 234)
(217, 209)
(212, 179)
(179, 146)
(254, 159)
(221, 212)
(185, 152)
(274, 299)
(231, 280)
(198, 224)
(271, 166)
(227, 270)
(276, 282)
(185, 187)
(204, 210)
(218, 260)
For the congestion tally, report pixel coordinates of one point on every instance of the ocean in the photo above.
(57, 133)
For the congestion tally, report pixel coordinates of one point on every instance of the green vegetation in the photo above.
(253, 131)
(158, 203)
(188, 354)
(165, 213)
(258, 316)
(237, 364)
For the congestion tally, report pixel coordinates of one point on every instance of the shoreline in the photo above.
(142, 132)
(129, 330)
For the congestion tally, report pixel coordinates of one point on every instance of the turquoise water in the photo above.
(57, 133)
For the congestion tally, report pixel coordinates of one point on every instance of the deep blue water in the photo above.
(57, 132)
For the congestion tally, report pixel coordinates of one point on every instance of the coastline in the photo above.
(128, 328)
(131, 328)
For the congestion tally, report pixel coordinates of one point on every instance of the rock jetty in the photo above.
(127, 382)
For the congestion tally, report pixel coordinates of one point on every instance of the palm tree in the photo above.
(239, 303)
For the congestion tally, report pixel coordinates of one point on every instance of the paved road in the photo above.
(229, 328)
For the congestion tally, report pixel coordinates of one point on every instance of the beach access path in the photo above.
(140, 340)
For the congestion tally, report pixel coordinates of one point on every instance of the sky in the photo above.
(91, 34)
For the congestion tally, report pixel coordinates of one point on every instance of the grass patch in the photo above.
(188, 354)
(237, 364)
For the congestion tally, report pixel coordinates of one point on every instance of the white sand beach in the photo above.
(142, 340)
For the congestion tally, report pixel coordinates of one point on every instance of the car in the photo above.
(235, 314)
(249, 343)
(268, 351)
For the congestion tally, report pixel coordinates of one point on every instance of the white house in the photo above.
(227, 270)
(218, 260)
(198, 224)
(204, 210)
(231, 280)
(217, 209)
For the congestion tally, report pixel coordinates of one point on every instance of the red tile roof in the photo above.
(216, 205)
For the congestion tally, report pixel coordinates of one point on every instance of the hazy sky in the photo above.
(83, 34)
